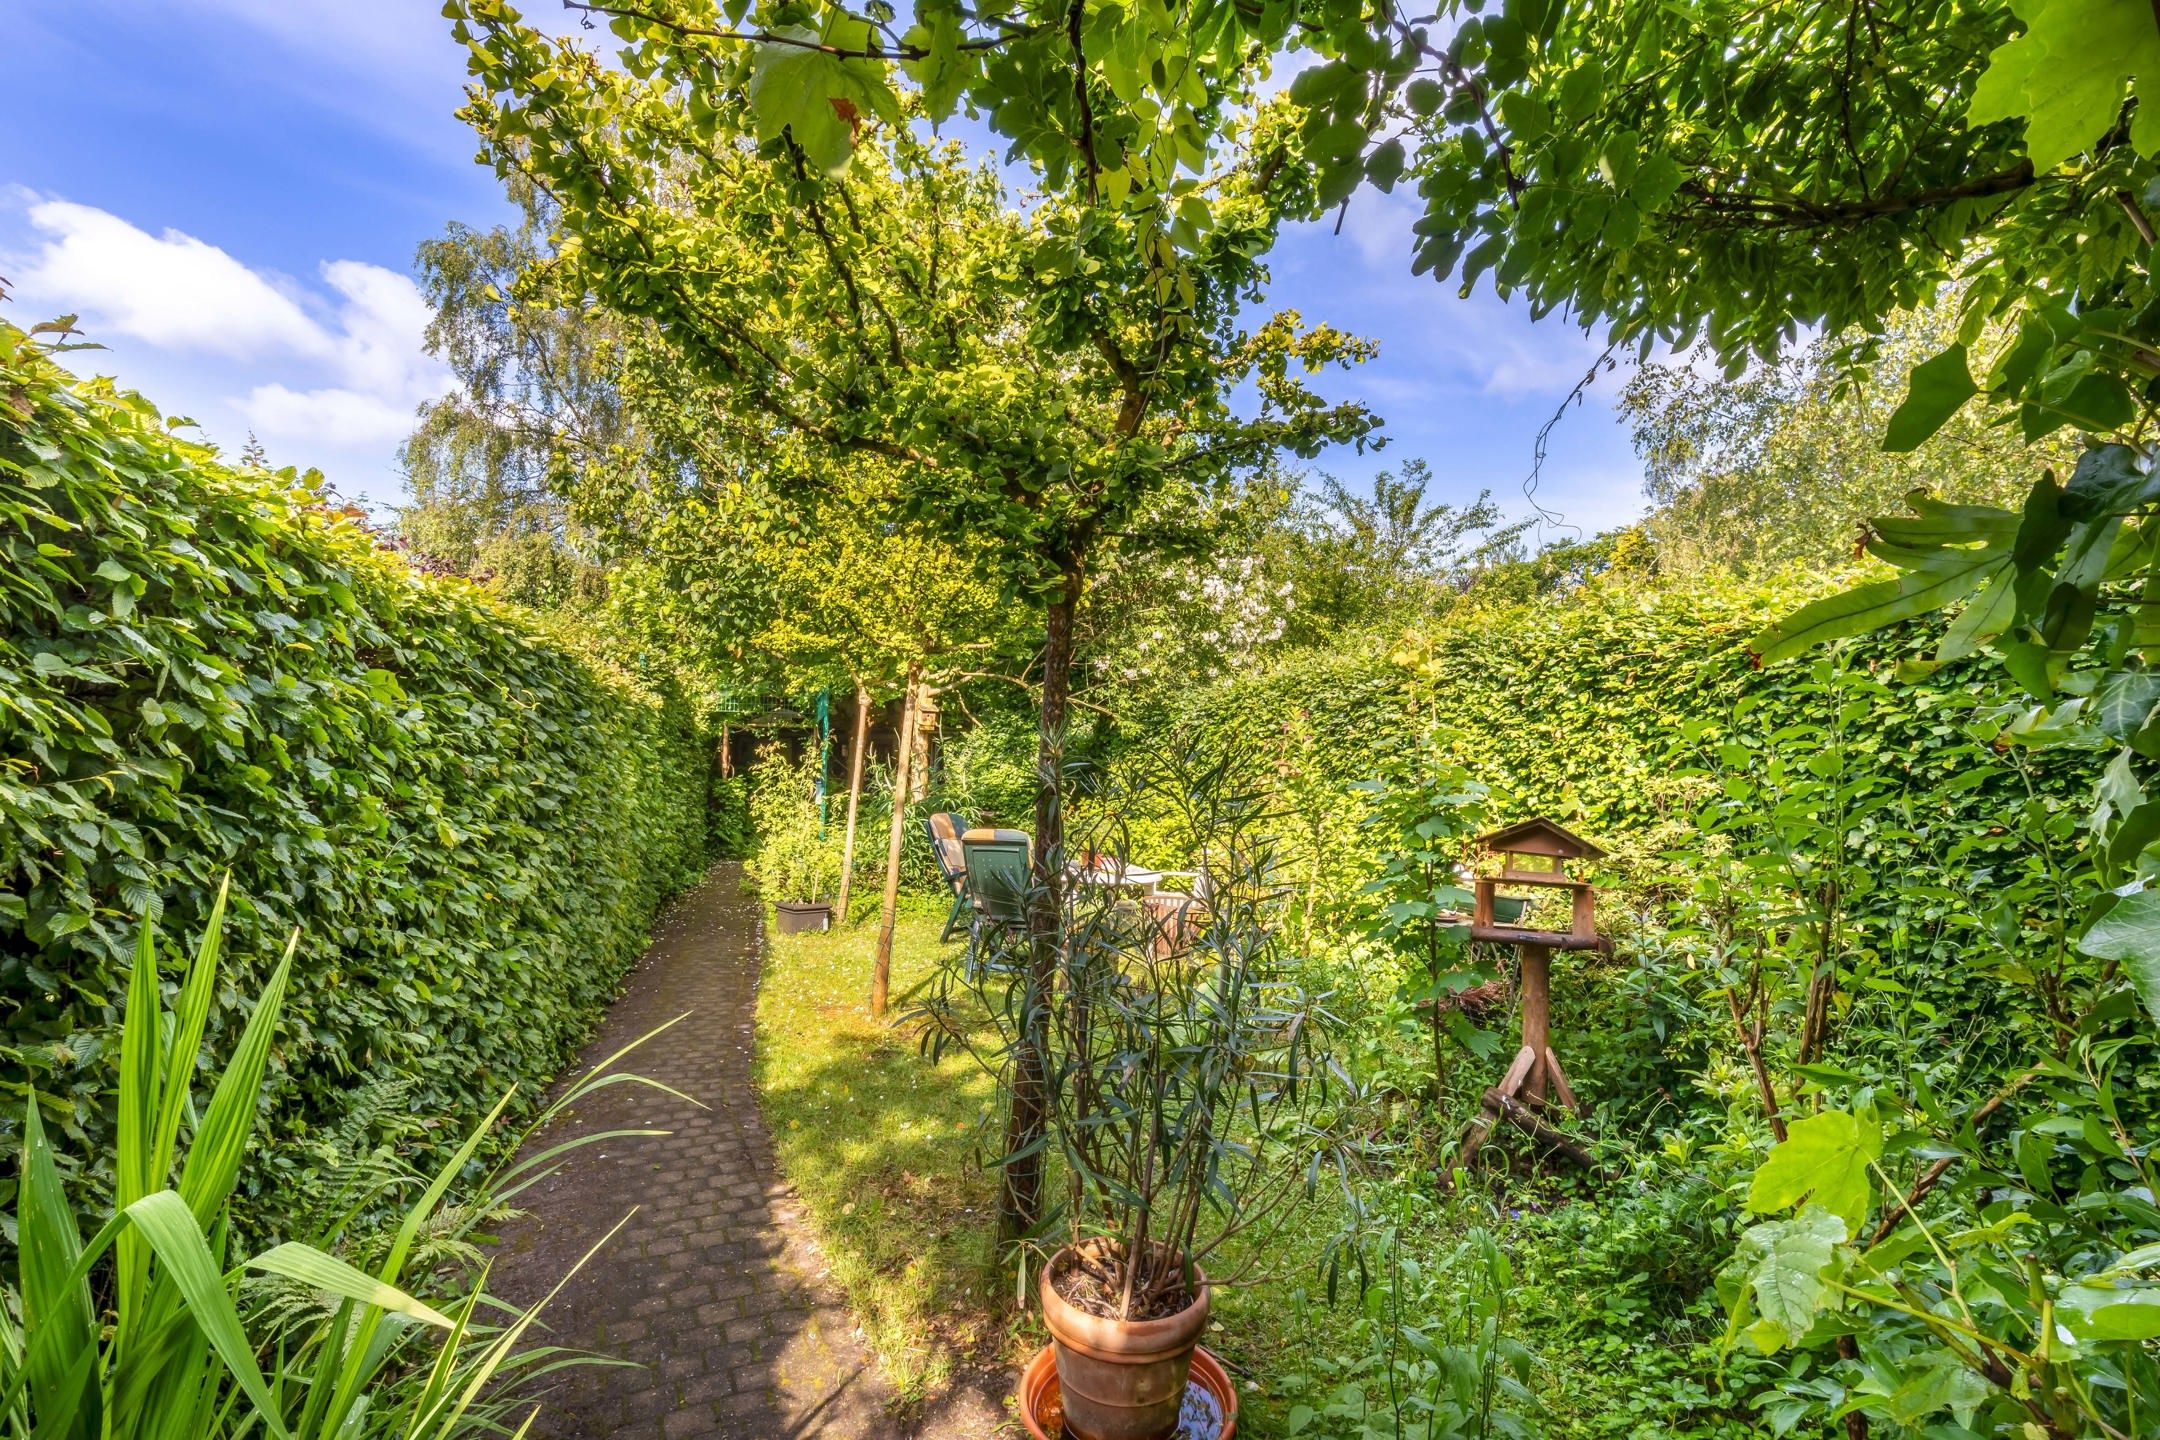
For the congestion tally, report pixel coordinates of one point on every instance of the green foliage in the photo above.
(1784, 465)
(149, 1330)
(798, 855)
(988, 772)
(539, 398)
(728, 808)
(1192, 1087)
(2011, 1301)
(1428, 1348)
(206, 672)
(1424, 814)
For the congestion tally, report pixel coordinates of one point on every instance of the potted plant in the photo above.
(797, 865)
(1188, 1097)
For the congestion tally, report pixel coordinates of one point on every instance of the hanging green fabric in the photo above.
(824, 769)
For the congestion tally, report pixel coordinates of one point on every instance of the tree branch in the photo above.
(767, 37)
(1794, 212)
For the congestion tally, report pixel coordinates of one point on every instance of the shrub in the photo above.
(798, 856)
(988, 772)
(472, 814)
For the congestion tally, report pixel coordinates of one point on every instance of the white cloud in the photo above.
(1436, 342)
(172, 290)
(344, 419)
(1378, 225)
(350, 364)
(1518, 359)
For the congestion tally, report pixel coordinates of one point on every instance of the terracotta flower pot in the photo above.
(1121, 1379)
(1042, 1403)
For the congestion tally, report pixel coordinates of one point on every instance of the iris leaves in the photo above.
(181, 1359)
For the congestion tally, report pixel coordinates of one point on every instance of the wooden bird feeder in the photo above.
(1534, 854)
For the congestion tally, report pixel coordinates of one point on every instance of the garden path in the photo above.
(713, 1286)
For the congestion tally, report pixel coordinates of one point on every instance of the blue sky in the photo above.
(230, 193)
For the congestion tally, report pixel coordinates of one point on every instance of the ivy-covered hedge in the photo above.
(469, 816)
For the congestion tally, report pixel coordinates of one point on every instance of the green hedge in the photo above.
(470, 816)
(1622, 710)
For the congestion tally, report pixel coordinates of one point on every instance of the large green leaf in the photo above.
(1790, 1258)
(220, 1142)
(2105, 1312)
(1936, 390)
(2124, 701)
(2129, 933)
(2109, 480)
(56, 1308)
(1984, 617)
(189, 1021)
(1823, 1158)
(168, 1223)
(311, 1266)
(2067, 74)
(819, 99)
(1876, 604)
(1946, 552)
(141, 1037)
(1930, 1383)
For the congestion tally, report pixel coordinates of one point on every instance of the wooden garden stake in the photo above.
(854, 796)
(1535, 853)
(881, 971)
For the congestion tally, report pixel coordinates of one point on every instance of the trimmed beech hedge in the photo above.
(1622, 709)
(469, 815)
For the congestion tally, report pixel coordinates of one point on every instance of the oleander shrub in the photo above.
(469, 814)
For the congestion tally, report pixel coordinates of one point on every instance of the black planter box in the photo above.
(794, 917)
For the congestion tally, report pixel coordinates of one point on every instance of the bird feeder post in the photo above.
(1534, 854)
(1533, 989)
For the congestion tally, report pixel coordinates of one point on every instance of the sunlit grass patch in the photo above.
(882, 1147)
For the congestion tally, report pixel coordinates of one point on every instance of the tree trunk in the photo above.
(854, 796)
(1021, 1204)
(881, 971)
(926, 726)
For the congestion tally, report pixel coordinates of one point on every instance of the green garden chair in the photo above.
(998, 874)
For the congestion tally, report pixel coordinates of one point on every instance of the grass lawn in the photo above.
(885, 1150)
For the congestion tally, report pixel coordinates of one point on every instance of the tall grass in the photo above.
(148, 1331)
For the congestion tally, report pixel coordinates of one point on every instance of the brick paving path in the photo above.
(712, 1286)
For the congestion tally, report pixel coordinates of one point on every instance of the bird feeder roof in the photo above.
(1540, 836)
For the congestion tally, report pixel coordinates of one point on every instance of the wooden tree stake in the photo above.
(854, 796)
(881, 971)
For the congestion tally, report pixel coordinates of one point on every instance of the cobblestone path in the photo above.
(711, 1287)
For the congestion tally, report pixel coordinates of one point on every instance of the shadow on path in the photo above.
(711, 1287)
